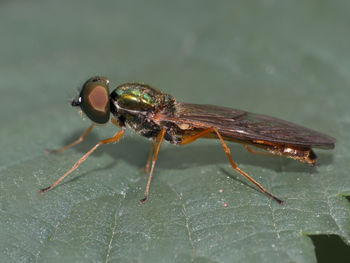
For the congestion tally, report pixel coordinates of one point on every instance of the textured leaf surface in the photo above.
(288, 59)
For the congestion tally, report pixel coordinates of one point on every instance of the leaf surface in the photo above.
(285, 59)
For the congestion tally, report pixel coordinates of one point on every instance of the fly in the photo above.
(159, 116)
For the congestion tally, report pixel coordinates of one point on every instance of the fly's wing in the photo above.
(246, 126)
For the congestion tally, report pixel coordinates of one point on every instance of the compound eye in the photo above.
(94, 100)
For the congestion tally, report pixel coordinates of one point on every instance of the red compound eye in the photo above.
(94, 100)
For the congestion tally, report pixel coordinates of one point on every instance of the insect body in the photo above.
(159, 116)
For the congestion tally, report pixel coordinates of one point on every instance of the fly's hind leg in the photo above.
(192, 138)
(252, 150)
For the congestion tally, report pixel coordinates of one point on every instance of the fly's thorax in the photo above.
(138, 105)
(133, 97)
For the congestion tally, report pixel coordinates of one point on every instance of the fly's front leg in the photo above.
(115, 138)
(79, 140)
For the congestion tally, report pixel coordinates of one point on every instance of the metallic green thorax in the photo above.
(140, 97)
(140, 107)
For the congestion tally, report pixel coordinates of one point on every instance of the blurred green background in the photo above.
(288, 59)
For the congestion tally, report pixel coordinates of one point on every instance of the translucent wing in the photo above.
(246, 126)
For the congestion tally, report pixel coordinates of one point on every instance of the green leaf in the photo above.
(287, 59)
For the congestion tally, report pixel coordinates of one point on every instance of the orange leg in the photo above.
(81, 138)
(150, 156)
(159, 140)
(190, 139)
(115, 122)
(252, 150)
(116, 137)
